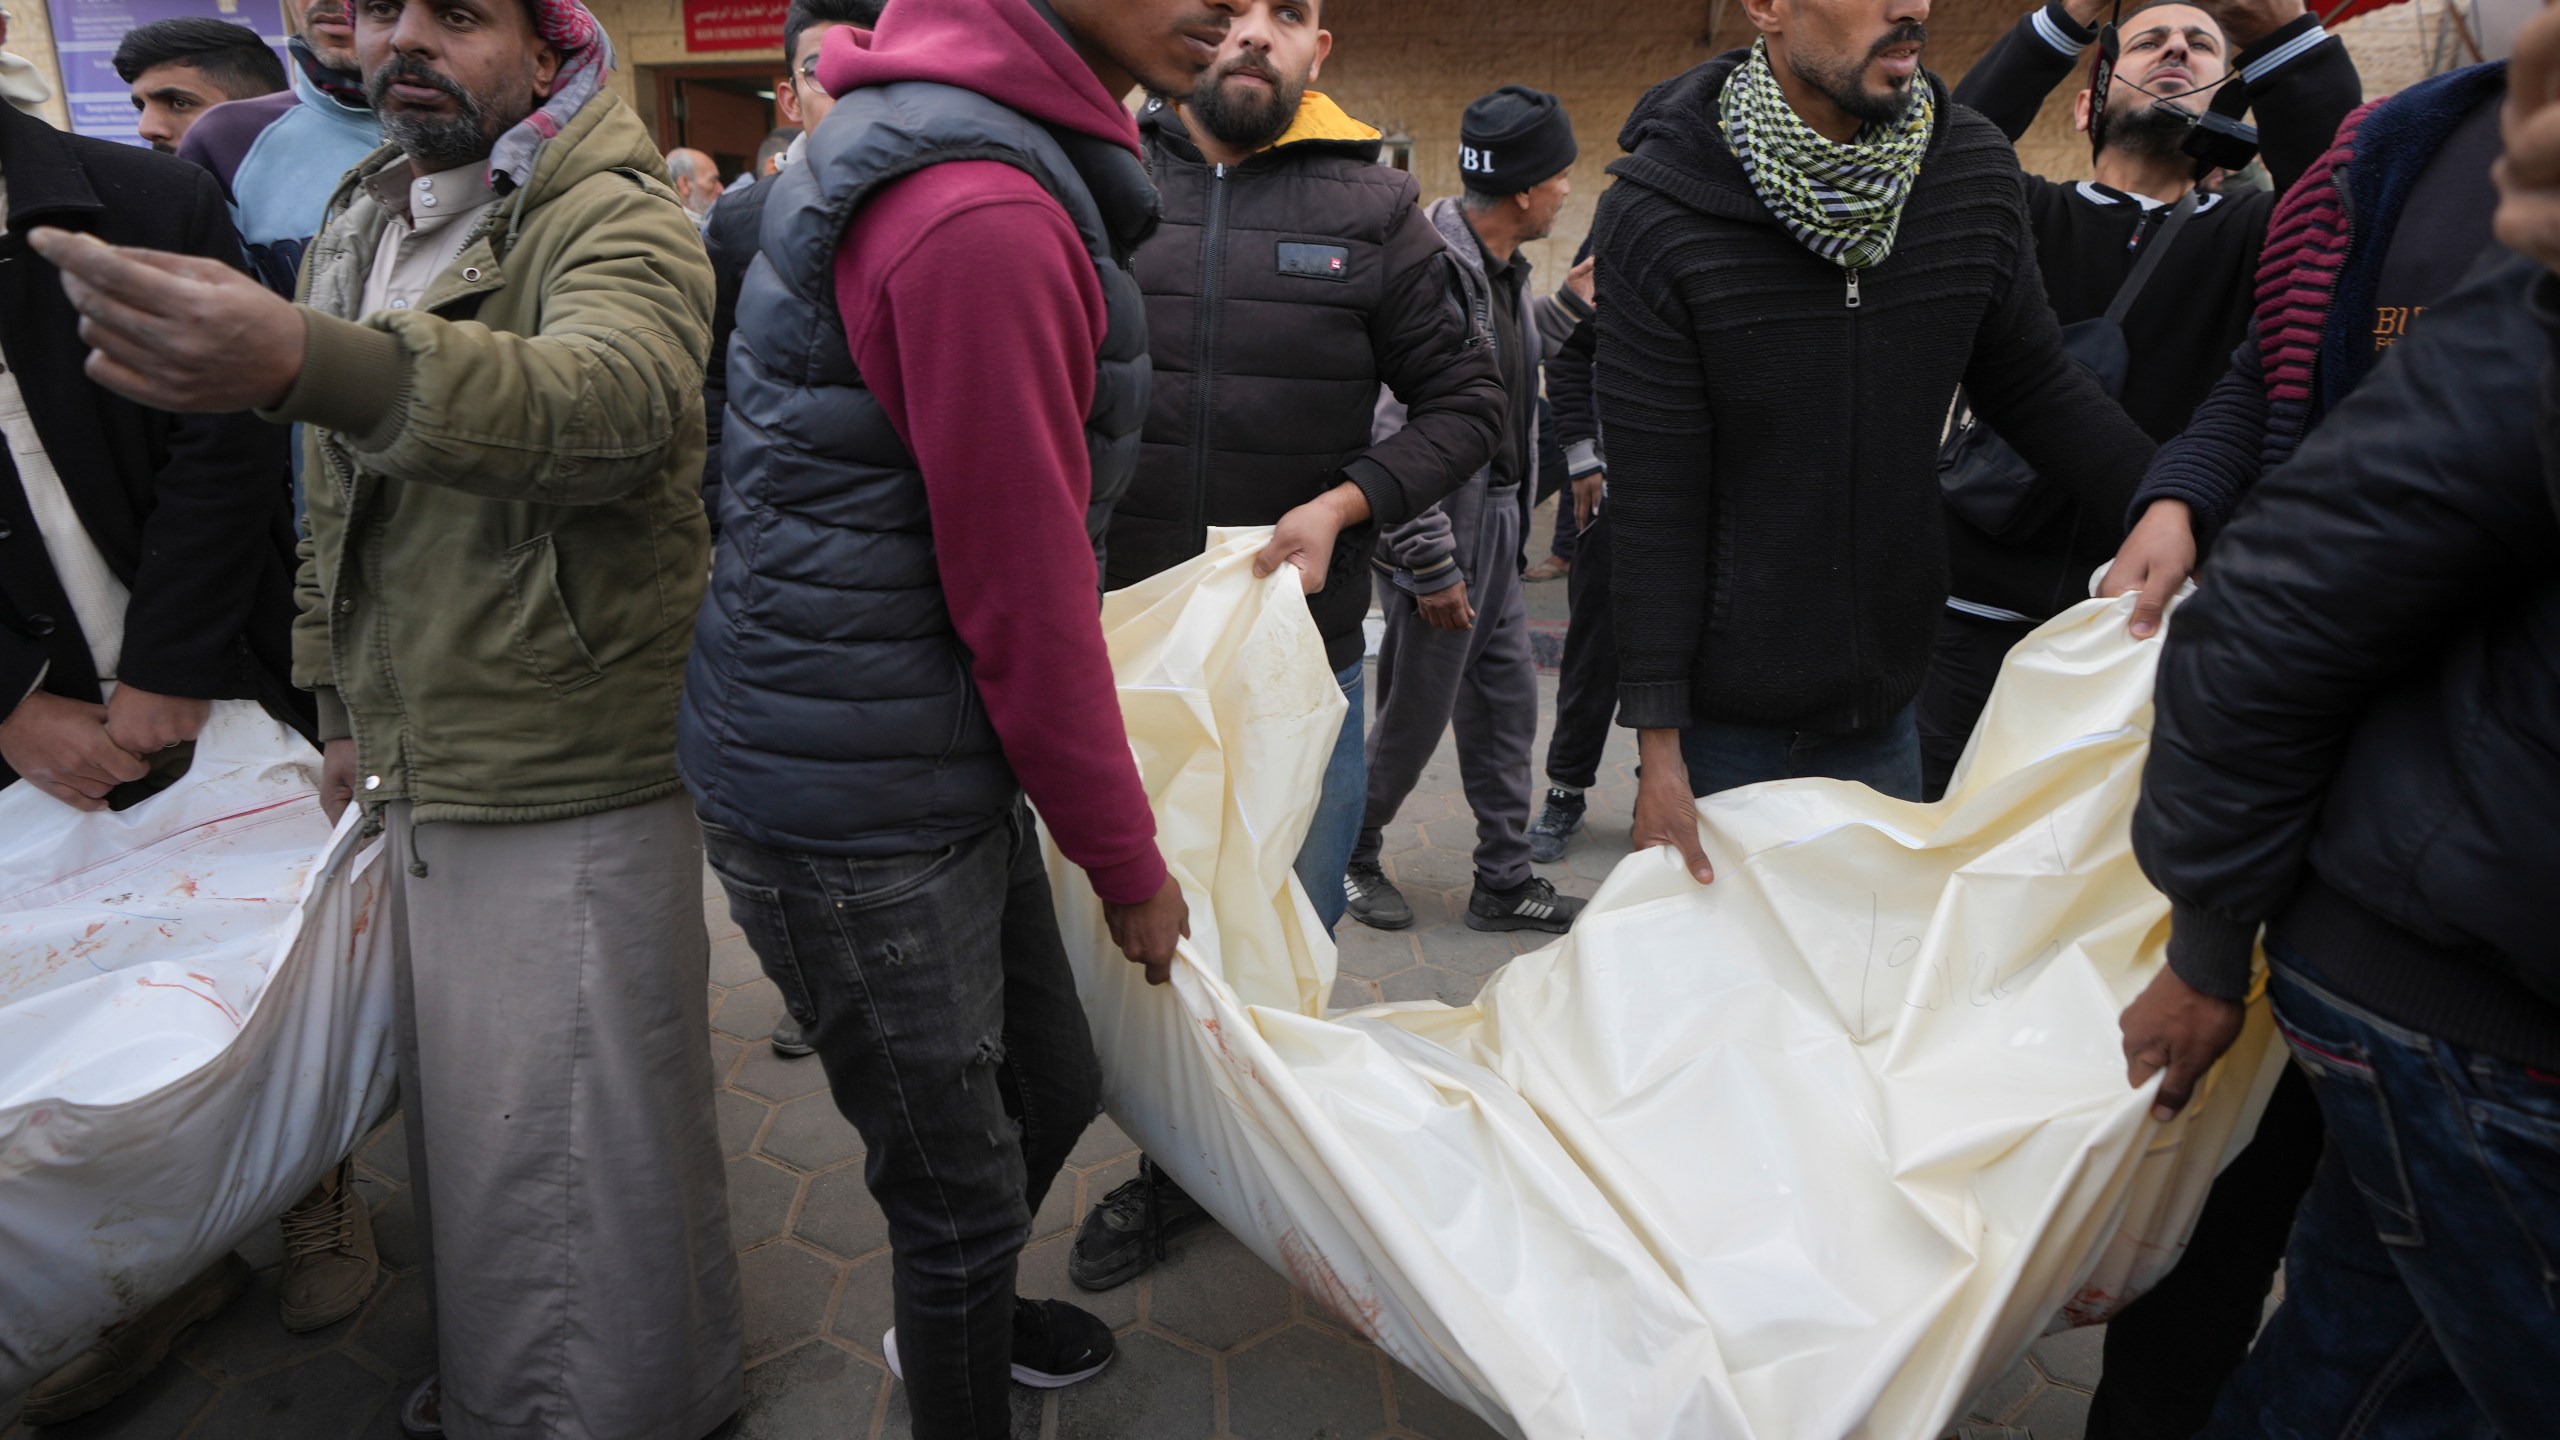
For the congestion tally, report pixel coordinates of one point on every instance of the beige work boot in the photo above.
(132, 1350)
(328, 1254)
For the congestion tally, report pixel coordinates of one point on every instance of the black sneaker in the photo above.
(1054, 1345)
(1533, 904)
(1373, 899)
(1556, 824)
(1116, 1243)
(790, 1041)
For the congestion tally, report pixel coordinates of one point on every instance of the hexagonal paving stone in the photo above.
(749, 1012)
(760, 1196)
(841, 1216)
(812, 1134)
(162, 1406)
(2074, 1357)
(1057, 1213)
(2002, 1397)
(327, 1395)
(1027, 1405)
(1154, 1390)
(725, 1054)
(775, 1077)
(1305, 1384)
(1585, 867)
(869, 1307)
(734, 963)
(247, 1338)
(1101, 1143)
(1351, 994)
(395, 1233)
(1454, 834)
(1043, 1276)
(1428, 982)
(1427, 804)
(1217, 1292)
(815, 1390)
(387, 1149)
(1372, 954)
(2055, 1414)
(740, 1116)
(397, 1331)
(1478, 952)
(787, 1293)
(1419, 873)
(1434, 1416)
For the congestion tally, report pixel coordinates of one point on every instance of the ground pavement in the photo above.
(1213, 1344)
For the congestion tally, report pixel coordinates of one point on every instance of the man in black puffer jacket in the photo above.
(1292, 277)
(1780, 338)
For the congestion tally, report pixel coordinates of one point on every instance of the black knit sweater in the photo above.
(1779, 547)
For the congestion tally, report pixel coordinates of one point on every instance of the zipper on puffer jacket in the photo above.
(1204, 333)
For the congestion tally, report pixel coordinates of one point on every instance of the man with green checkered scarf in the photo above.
(1809, 248)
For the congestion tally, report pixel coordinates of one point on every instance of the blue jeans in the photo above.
(1724, 757)
(1326, 852)
(2421, 1297)
(938, 995)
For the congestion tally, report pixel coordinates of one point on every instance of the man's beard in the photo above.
(164, 147)
(438, 142)
(1845, 84)
(1247, 120)
(2145, 128)
(335, 10)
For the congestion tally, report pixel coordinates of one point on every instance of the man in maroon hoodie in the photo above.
(935, 393)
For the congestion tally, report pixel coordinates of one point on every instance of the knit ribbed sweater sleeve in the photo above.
(1653, 407)
(2051, 410)
(2221, 453)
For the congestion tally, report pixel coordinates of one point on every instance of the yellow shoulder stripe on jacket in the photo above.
(1320, 119)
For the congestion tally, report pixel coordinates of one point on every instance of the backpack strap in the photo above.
(2151, 253)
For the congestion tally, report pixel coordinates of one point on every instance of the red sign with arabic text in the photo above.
(734, 24)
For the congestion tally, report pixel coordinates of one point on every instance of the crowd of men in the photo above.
(598, 520)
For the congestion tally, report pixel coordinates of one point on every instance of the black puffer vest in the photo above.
(829, 705)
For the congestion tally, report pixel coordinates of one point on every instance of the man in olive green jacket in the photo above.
(497, 363)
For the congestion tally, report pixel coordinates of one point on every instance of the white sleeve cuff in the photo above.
(2283, 55)
(2053, 36)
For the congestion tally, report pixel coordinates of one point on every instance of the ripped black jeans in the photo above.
(940, 1001)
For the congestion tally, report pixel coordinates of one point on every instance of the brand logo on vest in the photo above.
(1475, 161)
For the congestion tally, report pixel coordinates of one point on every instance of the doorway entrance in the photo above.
(723, 110)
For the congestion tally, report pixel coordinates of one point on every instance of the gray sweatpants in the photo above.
(555, 1073)
(1485, 681)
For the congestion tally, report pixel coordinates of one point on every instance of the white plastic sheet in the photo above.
(1816, 1151)
(195, 1019)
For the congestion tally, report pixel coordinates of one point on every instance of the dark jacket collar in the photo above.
(1674, 141)
(45, 178)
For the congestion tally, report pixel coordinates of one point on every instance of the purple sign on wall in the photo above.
(86, 33)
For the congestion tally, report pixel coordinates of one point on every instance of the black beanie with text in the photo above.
(1514, 139)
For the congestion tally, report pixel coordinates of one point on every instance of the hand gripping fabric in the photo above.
(195, 1024)
(1816, 1151)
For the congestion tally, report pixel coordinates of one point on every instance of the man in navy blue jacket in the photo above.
(2358, 749)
